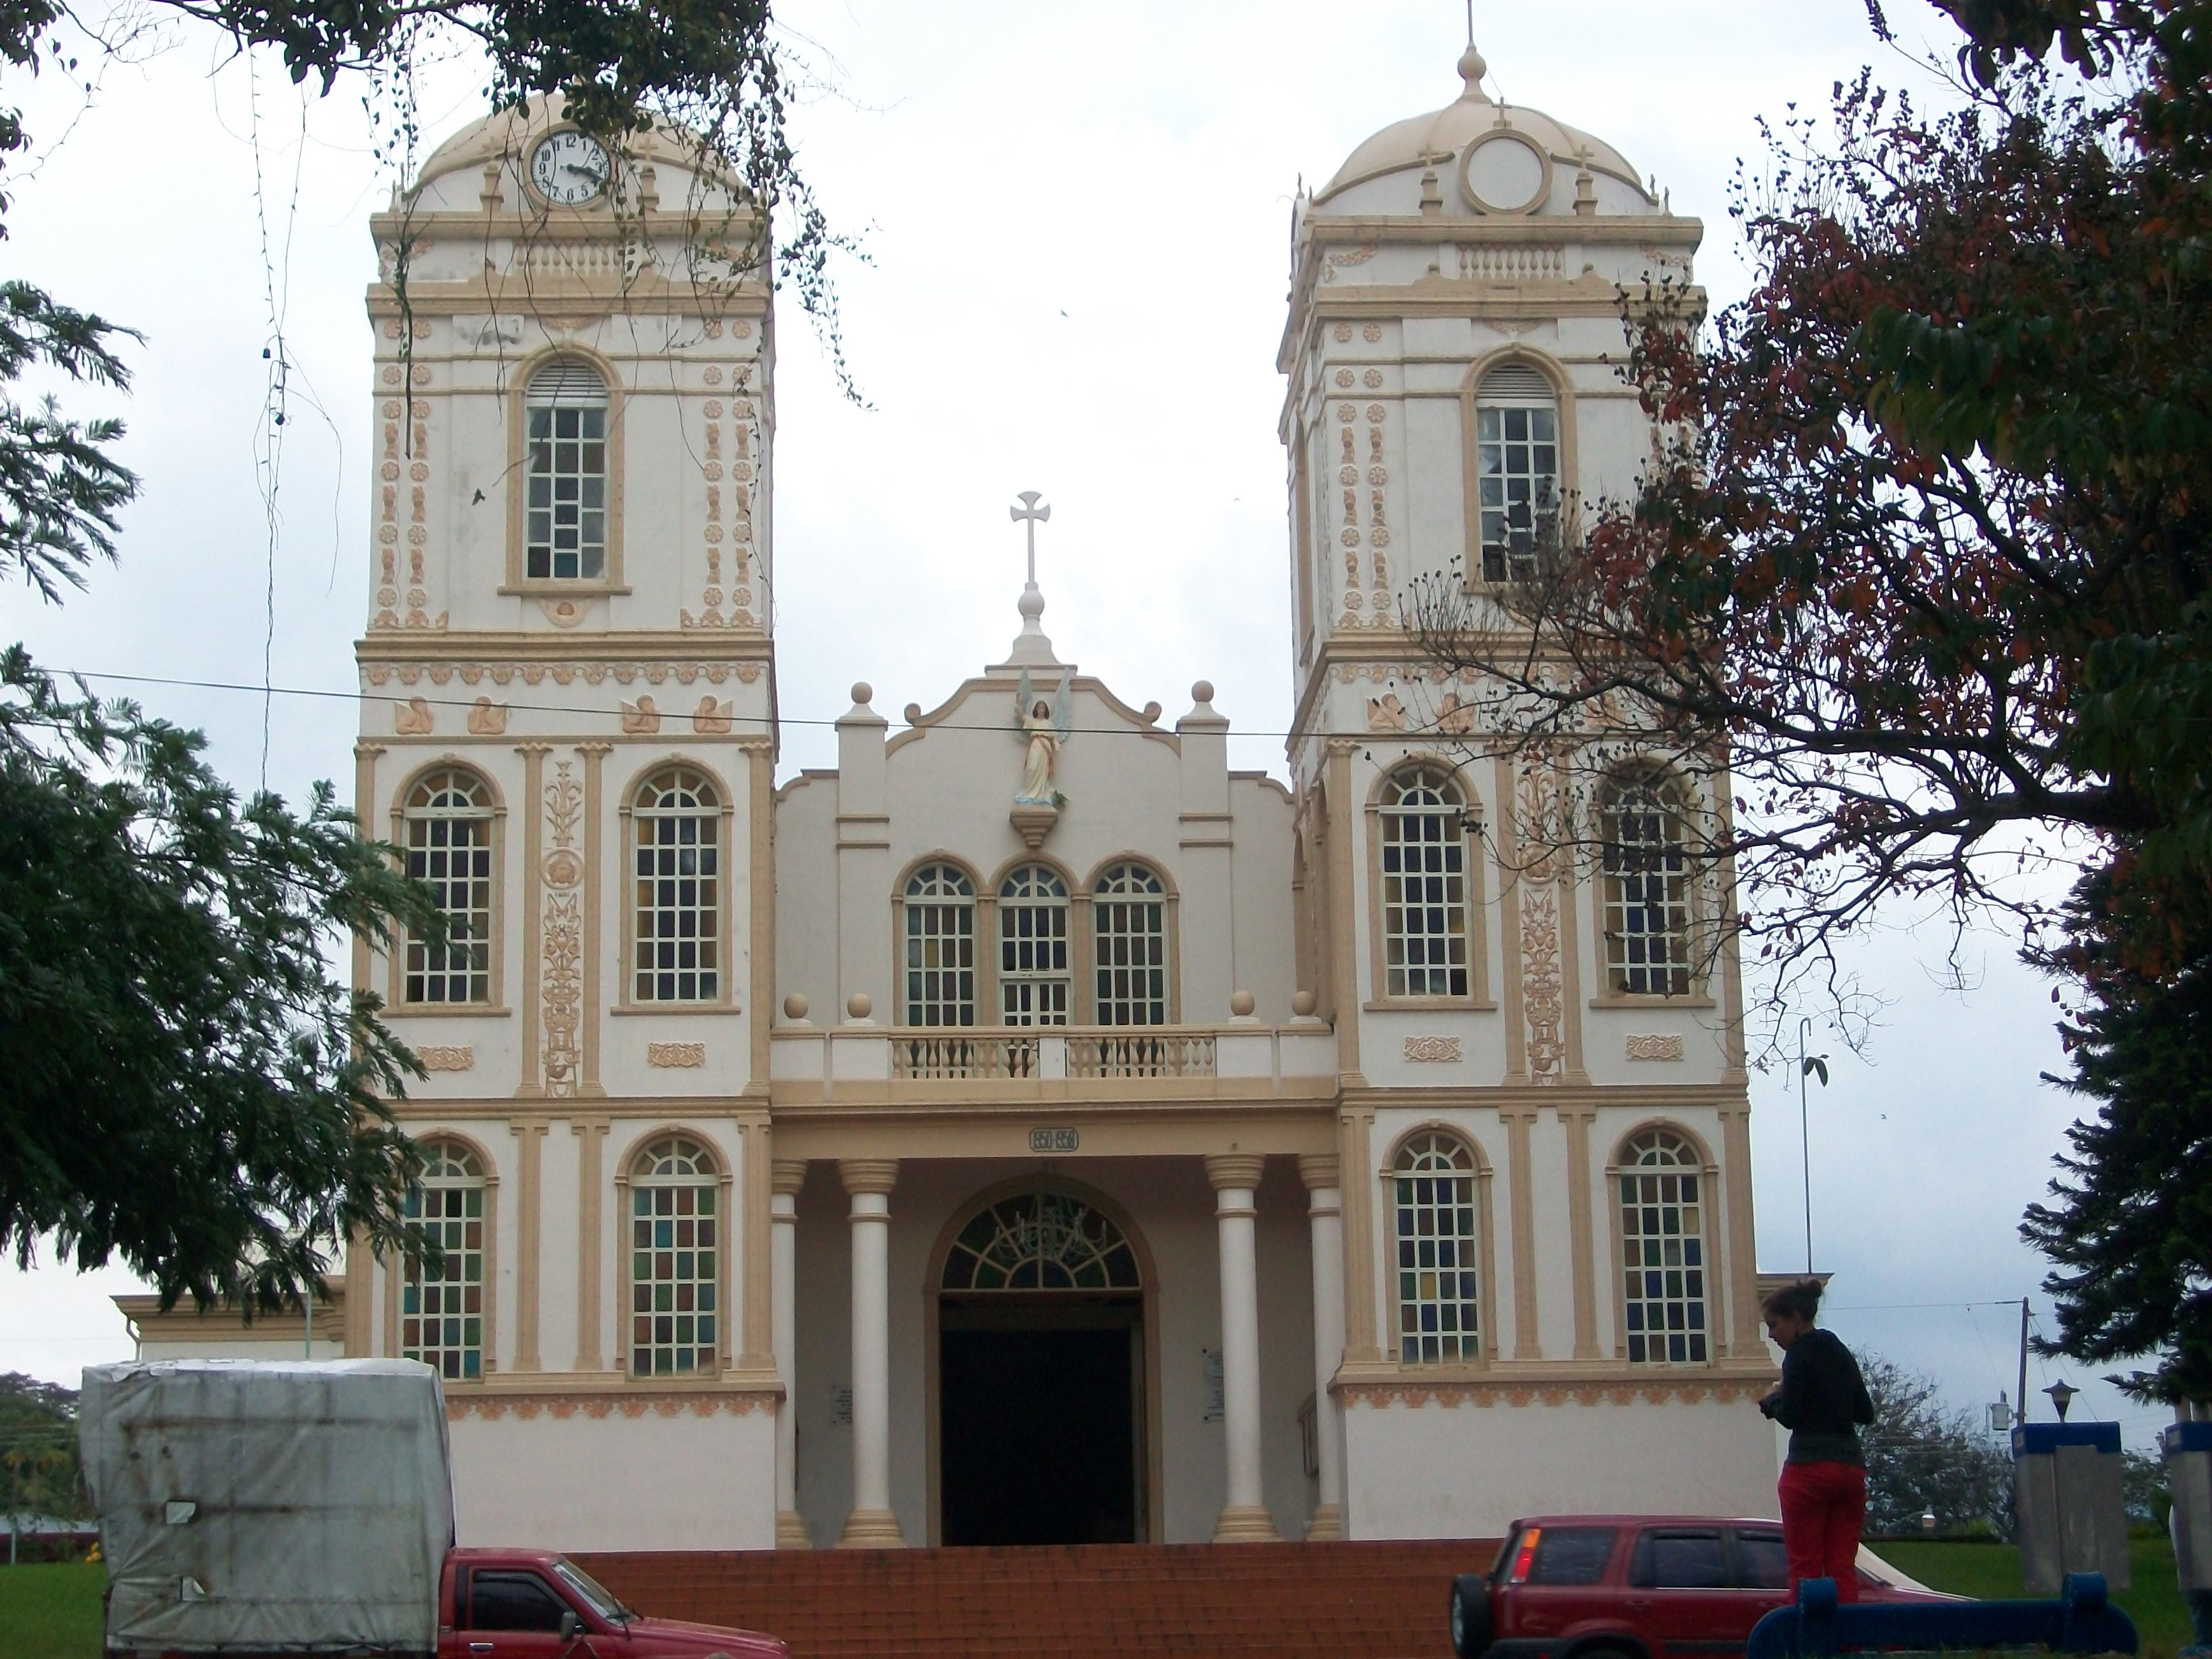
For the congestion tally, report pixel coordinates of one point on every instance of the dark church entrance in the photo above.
(1041, 1369)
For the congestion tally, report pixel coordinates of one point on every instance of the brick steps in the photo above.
(1346, 1601)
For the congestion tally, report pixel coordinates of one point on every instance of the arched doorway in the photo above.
(1041, 1374)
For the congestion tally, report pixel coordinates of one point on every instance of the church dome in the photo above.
(1489, 158)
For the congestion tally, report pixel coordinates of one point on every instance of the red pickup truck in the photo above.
(528, 1604)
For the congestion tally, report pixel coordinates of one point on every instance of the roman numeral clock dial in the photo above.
(569, 168)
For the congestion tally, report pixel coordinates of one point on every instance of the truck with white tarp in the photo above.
(252, 1509)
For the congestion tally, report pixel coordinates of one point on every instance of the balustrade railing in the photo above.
(967, 1053)
(1141, 1053)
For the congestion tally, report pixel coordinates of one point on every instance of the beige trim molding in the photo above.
(631, 1403)
(531, 1139)
(531, 1085)
(590, 1247)
(1514, 1391)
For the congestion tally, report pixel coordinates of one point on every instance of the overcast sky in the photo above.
(1077, 221)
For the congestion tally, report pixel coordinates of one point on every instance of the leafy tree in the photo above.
(40, 1473)
(2129, 1225)
(1921, 1459)
(183, 1081)
(1917, 584)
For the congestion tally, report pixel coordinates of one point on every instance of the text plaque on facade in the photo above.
(1054, 1140)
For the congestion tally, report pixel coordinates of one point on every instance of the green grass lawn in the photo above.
(1991, 1572)
(51, 1610)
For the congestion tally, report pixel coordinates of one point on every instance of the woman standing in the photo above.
(1822, 1401)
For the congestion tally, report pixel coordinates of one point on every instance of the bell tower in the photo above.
(568, 697)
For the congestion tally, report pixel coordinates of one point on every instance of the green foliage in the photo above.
(2129, 1225)
(1921, 1458)
(39, 1474)
(59, 488)
(182, 1081)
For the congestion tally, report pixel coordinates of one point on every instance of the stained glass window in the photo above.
(677, 826)
(675, 1258)
(1439, 1275)
(442, 1308)
(1663, 1249)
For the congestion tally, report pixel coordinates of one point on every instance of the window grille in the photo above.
(1517, 468)
(1128, 915)
(1424, 900)
(1033, 973)
(1663, 1251)
(676, 824)
(449, 823)
(441, 1308)
(675, 1279)
(566, 532)
(1647, 890)
(940, 947)
(1040, 1241)
(1438, 1272)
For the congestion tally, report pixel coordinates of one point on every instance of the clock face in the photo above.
(568, 168)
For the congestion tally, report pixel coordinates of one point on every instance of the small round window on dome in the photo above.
(1505, 172)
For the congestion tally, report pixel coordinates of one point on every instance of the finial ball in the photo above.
(1473, 66)
(859, 1005)
(1203, 691)
(862, 692)
(794, 1007)
(1303, 1003)
(1241, 1003)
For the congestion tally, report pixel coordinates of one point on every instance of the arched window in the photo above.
(675, 1245)
(1439, 1275)
(449, 847)
(565, 530)
(1040, 1241)
(940, 946)
(1033, 975)
(1663, 1249)
(1647, 888)
(441, 1308)
(1424, 899)
(1516, 425)
(1129, 931)
(677, 825)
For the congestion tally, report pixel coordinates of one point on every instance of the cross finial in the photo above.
(1036, 516)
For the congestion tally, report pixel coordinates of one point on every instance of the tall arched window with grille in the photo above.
(1645, 905)
(565, 517)
(675, 1274)
(940, 946)
(1516, 417)
(1033, 970)
(1129, 945)
(1663, 1249)
(675, 824)
(449, 847)
(1423, 852)
(1437, 1230)
(441, 1308)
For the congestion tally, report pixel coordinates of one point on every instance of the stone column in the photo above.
(1244, 1517)
(1325, 1215)
(788, 1174)
(871, 1525)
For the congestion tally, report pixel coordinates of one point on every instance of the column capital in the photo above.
(1318, 1170)
(788, 1174)
(1234, 1170)
(868, 1175)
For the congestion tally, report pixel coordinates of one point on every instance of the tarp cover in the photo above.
(286, 1507)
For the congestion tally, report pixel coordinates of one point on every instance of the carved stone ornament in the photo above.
(413, 719)
(640, 718)
(1033, 822)
(675, 1054)
(1668, 1047)
(455, 1057)
(1386, 713)
(1432, 1050)
(712, 717)
(487, 719)
(561, 971)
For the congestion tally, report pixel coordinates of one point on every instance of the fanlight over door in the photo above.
(1040, 1241)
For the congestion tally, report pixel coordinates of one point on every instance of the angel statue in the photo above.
(1046, 726)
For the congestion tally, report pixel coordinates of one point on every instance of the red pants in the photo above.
(1823, 1508)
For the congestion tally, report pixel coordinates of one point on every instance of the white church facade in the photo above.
(1033, 1129)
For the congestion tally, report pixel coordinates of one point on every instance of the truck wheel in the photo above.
(1470, 1615)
